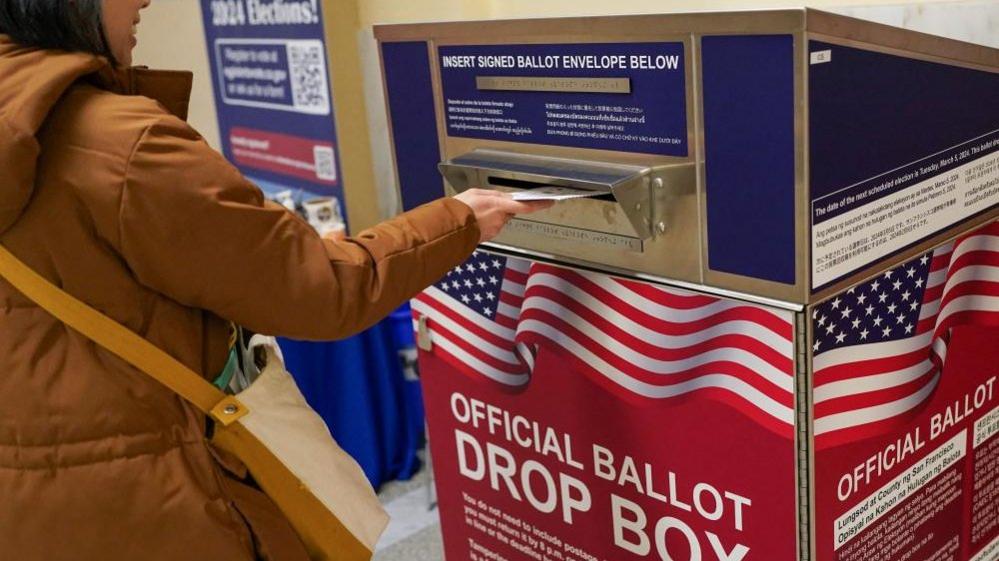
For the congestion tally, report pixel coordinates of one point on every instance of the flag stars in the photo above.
(924, 260)
(886, 308)
(475, 284)
(497, 263)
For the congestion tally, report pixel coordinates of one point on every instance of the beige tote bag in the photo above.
(269, 426)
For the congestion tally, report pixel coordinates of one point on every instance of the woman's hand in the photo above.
(493, 209)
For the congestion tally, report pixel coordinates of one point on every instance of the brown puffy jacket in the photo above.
(107, 192)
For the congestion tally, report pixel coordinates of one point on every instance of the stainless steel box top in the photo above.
(778, 154)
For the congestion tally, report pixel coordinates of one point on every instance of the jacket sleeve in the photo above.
(192, 228)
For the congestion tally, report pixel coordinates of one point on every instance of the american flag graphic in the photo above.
(879, 349)
(638, 341)
(473, 314)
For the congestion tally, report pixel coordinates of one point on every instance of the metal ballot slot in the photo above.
(625, 203)
(631, 209)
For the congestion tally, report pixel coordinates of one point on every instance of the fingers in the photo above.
(488, 193)
(495, 209)
(511, 206)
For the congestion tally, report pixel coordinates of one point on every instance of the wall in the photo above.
(397, 11)
(172, 36)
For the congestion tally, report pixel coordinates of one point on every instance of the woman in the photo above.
(107, 192)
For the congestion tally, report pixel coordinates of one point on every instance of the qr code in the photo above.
(325, 163)
(309, 88)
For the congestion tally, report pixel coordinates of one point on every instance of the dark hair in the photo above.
(68, 25)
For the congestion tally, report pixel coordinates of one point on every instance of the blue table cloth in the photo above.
(357, 385)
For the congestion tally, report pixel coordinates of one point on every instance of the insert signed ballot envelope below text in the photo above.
(552, 193)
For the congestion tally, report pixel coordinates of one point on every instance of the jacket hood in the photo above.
(31, 83)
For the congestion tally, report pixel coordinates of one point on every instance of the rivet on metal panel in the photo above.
(638, 206)
(659, 183)
(661, 226)
(424, 340)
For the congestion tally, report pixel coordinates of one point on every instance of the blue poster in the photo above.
(629, 96)
(272, 91)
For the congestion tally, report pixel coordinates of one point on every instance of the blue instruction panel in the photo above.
(628, 97)
(901, 150)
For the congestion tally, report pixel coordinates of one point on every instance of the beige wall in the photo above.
(172, 37)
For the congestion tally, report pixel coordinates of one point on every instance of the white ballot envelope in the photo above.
(553, 193)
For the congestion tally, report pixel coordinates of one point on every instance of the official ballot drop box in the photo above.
(770, 334)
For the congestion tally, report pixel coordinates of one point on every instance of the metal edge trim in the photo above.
(397, 189)
(808, 406)
(676, 22)
(890, 36)
(802, 436)
(700, 171)
(900, 52)
(625, 274)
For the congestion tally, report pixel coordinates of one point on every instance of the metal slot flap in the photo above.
(626, 185)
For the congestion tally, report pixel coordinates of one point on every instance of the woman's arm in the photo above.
(192, 228)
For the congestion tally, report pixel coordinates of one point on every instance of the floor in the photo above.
(414, 533)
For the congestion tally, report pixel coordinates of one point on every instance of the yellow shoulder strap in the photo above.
(121, 341)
